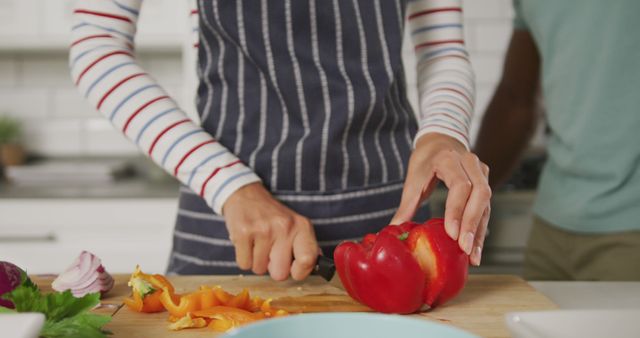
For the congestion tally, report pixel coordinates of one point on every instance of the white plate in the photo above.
(21, 325)
(575, 323)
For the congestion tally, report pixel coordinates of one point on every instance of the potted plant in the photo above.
(11, 152)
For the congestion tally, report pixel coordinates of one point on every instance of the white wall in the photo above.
(35, 84)
(57, 120)
(36, 87)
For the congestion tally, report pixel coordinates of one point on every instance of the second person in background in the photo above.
(581, 58)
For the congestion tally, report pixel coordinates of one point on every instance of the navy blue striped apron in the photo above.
(311, 95)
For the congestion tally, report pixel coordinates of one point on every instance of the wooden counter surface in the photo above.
(480, 308)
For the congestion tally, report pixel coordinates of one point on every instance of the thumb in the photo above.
(411, 197)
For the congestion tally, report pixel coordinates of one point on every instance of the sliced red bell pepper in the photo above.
(440, 257)
(403, 267)
(382, 274)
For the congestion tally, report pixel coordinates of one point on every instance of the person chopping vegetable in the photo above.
(306, 138)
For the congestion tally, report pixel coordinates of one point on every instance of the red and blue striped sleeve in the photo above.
(105, 70)
(446, 82)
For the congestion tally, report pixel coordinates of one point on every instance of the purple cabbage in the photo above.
(11, 277)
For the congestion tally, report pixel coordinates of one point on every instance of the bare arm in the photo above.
(511, 118)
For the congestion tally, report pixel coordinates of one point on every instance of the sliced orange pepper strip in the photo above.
(281, 313)
(187, 322)
(241, 300)
(231, 312)
(266, 306)
(221, 325)
(150, 304)
(255, 303)
(208, 306)
(225, 317)
(146, 292)
(161, 281)
(134, 303)
(223, 296)
(208, 299)
(179, 306)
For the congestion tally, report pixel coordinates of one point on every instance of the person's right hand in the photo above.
(268, 236)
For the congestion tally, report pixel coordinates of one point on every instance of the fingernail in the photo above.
(452, 228)
(477, 256)
(467, 242)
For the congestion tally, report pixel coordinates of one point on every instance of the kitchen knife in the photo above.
(325, 268)
(324, 302)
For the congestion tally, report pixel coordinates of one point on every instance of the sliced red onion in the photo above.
(101, 283)
(85, 275)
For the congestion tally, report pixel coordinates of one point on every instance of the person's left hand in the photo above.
(467, 208)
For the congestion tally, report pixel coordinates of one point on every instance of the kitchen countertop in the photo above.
(126, 188)
(480, 307)
(145, 180)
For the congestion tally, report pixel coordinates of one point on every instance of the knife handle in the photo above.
(325, 267)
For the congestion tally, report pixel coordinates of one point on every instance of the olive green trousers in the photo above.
(556, 254)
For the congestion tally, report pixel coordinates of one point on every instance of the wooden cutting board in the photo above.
(480, 308)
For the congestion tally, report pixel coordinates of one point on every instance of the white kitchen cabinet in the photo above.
(163, 22)
(46, 235)
(44, 25)
(56, 19)
(18, 19)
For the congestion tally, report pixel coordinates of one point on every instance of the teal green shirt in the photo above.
(590, 52)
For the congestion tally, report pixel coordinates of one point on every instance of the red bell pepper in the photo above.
(403, 268)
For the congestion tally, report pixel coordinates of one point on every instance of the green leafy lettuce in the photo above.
(66, 316)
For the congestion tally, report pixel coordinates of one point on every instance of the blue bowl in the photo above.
(347, 325)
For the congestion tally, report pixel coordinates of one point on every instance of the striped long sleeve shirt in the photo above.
(105, 69)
